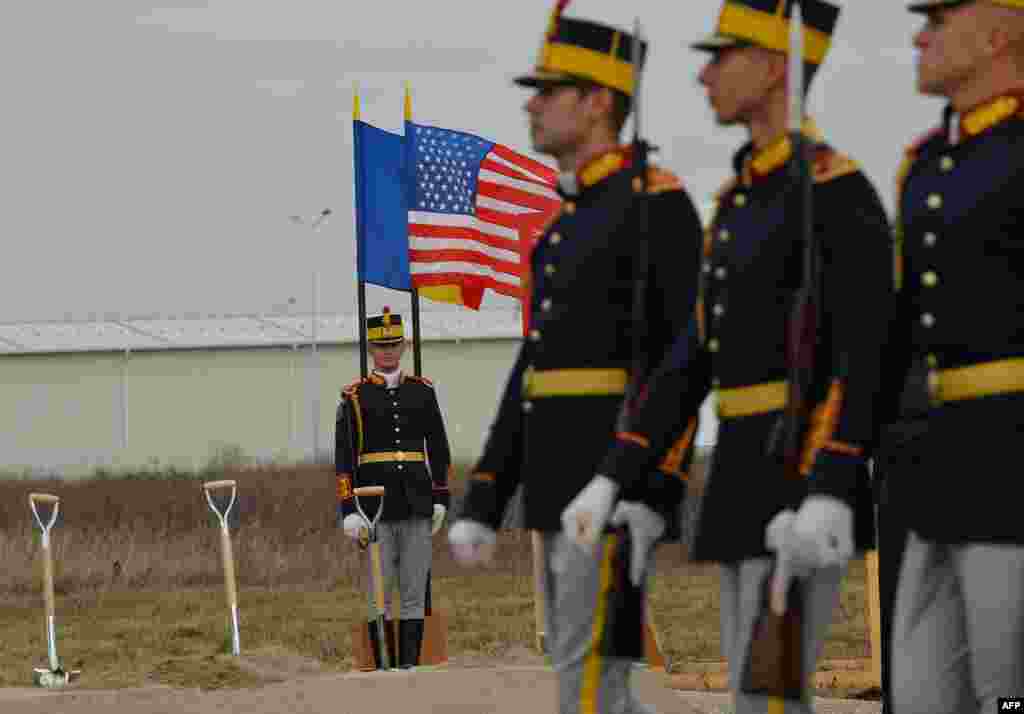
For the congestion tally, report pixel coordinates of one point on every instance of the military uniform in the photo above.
(735, 348)
(566, 387)
(393, 435)
(958, 639)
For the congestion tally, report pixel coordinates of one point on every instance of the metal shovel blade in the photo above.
(54, 679)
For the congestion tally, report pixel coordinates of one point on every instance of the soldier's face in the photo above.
(738, 81)
(951, 48)
(559, 116)
(386, 358)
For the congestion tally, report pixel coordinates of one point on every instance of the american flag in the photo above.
(475, 209)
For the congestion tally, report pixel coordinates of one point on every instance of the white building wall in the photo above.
(74, 412)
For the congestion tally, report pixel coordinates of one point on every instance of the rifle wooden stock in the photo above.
(773, 664)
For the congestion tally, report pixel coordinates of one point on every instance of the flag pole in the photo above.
(413, 292)
(360, 257)
(417, 361)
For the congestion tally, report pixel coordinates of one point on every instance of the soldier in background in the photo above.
(958, 632)
(566, 389)
(735, 346)
(390, 433)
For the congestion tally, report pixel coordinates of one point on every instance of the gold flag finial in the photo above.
(355, 101)
(408, 101)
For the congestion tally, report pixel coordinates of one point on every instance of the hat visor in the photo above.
(542, 78)
(716, 42)
(929, 5)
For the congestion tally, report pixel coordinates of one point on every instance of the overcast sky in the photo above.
(153, 151)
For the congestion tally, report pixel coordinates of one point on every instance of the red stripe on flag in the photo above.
(464, 256)
(506, 170)
(513, 195)
(542, 170)
(427, 230)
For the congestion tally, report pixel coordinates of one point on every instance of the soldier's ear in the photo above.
(600, 100)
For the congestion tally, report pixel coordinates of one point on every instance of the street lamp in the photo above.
(315, 223)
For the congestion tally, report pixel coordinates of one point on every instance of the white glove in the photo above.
(584, 519)
(826, 523)
(472, 542)
(645, 528)
(354, 526)
(819, 535)
(438, 519)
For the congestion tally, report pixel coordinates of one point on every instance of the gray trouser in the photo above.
(575, 594)
(405, 552)
(740, 586)
(958, 634)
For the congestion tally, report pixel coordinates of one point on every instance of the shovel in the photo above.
(227, 556)
(54, 676)
(378, 581)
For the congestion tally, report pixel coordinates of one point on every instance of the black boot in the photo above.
(371, 628)
(410, 634)
(391, 643)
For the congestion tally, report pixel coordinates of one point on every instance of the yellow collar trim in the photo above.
(776, 154)
(601, 167)
(988, 115)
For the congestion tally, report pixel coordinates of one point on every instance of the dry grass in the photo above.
(140, 594)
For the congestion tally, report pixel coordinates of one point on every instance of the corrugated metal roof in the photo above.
(262, 330)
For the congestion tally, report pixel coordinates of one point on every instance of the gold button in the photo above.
(720, 272)
(707, 267)
(555, 238)
(718, 310)
(929, 239)
(739, 199)
(934, 201)
(546, 305)
(930, 279)
(724, 235)
(535, 335)
(549, 269)
(933, 361)
(713, 345)
(946, 163)
(570, 208)
(399, 455)
(928, 319)
(527, 407)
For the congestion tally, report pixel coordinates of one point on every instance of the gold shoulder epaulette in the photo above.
(830, 164)
(660, 180)
(421, 379)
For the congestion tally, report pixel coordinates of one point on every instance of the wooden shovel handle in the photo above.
(211, 485)
(368, 491)
(42, 498)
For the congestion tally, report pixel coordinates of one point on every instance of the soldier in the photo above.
(958, 633)
(568, 382)
(384, 422)
(735, 347)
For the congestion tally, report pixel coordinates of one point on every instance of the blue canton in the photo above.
(445, 165)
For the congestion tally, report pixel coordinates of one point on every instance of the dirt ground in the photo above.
(291, 684)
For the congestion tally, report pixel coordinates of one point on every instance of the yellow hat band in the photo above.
(605, 69)
(384, 333)
(772, 31)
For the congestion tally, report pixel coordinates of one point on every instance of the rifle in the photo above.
(626, 614)
(787, 439)
(641, 148)
(774, 664)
